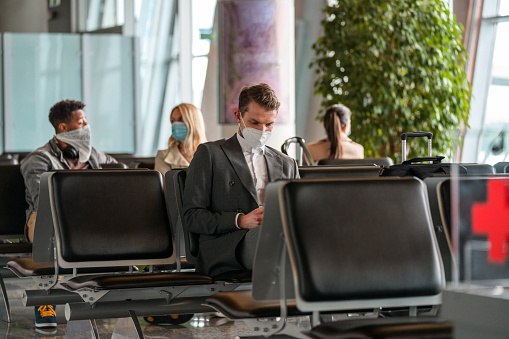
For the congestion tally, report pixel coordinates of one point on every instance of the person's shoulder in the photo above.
(41, 152)
(213, 144)
(37, 160)
(162, 153)
(98, 153)
(317, 143)
(360, 147)
(353, 143)
(208, 149)
(277, 153)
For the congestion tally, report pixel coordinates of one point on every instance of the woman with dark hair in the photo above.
(337, 145)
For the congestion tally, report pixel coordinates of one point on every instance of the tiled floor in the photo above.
(201, 326)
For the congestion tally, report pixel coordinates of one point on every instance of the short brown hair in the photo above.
(262, 94)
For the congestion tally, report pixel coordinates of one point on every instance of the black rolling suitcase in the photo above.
(415, 167)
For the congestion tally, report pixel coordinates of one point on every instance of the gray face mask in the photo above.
(81, 139)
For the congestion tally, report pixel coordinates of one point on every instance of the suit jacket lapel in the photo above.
(274, 165)
(233, 152)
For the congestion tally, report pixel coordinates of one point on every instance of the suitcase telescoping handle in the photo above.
(404, 136)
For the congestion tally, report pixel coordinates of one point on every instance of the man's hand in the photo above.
(252, 219)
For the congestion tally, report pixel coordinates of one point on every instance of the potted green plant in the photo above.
(399, 66)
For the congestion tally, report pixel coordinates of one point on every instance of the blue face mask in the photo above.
(179, 131)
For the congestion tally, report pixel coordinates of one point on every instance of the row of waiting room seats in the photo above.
(125, 214)
(131, 161)
(195, 285)
(124, 160)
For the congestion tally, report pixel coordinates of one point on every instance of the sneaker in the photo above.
(46, 333)
(45, 316)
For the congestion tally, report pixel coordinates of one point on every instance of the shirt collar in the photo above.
(245, 147)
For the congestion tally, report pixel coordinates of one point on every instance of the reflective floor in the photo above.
(200, 326)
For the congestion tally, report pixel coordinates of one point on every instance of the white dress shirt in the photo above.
(257, 166)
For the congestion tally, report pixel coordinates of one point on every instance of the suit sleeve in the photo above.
(198, 216)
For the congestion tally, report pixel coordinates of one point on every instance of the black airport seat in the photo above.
(132, 161)
(478, 169)
(13, 208)
(381, 161)
(501, 167)
(13, 205)
(188, 245)
(144, 162)
(386, 243)
(118, 165)
(359, 244)
(111, 218)
(317, 172)
(8, 161)
(442, 231)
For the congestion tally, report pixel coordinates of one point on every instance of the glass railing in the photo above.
(42, 69)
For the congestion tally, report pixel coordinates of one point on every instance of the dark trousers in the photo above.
(246, 249)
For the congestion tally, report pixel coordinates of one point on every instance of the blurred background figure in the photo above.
(337, 145)
(187, 132)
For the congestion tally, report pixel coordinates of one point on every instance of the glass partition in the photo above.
(39, 70)
(477, 300)
(495, 142)
(109, 93)
(478, 210)
(42, 69)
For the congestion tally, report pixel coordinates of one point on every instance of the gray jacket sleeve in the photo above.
(32, 168)
(104, 158)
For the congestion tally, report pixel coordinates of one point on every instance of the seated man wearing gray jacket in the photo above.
(225, 185)
(70, 148)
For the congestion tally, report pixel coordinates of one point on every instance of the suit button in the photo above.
(232, 183)
(239, 210)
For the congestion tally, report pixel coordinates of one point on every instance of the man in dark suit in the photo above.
(225, 185)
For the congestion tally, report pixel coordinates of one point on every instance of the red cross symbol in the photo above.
(492, 219)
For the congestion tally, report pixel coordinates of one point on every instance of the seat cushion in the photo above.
(240, 276)
(18, 247)
(27, 267)
(241, 305)
(137, 280)
(399, 327)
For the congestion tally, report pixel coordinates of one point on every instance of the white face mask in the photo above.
(81, 139)
(254, 137)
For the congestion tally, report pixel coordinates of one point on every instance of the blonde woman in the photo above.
(187, 132)
(337, 145)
